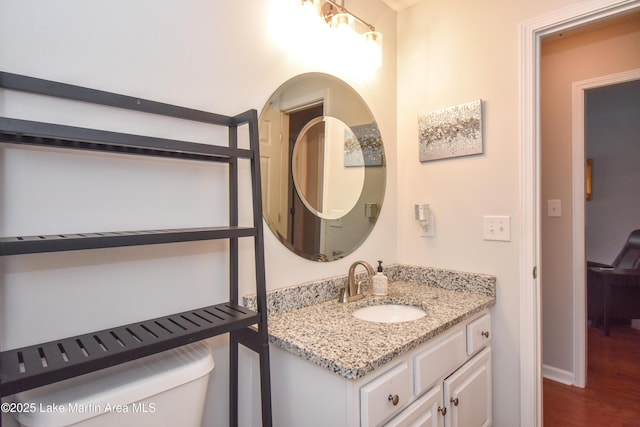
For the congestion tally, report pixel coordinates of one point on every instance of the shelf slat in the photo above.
(70, 357)
(17, 131)
(19, 245)
(94, 96)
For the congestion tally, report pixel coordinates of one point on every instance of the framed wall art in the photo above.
(451, 132)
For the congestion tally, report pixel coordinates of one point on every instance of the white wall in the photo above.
(219, 56)
(450, 53)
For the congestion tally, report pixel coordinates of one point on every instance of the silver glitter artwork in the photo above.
(451, 132)
(366, 148)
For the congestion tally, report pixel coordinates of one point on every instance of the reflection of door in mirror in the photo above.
(274, 161)
(307, 165)
(304, 226)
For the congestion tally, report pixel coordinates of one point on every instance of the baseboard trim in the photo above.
(558, 375)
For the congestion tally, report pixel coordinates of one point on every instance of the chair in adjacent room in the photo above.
(613, 291)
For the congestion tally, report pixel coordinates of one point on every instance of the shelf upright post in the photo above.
(233, 277)
(256, 186)
(257, 341)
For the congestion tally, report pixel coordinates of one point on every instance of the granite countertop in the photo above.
(308, 321)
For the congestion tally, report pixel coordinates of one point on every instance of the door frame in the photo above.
(578, 149)
(531, 33)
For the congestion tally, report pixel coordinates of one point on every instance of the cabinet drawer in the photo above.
(441, 358)
(378, 400)
(478, 334)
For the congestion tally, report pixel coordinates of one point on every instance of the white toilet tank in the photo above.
(167, 389)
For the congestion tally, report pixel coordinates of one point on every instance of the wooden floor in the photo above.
(612, 395)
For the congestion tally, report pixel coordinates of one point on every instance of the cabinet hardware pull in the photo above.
(454, 401)
(485, 334)
(393, 398)
(443, 411)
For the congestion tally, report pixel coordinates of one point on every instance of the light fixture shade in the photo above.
(308, 8)
(373, 37)
(373, 48)
(342, 20)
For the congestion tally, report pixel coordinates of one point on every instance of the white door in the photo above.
(274, 165)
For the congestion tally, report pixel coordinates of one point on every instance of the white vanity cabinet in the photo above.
(462, 398)
(418, 388)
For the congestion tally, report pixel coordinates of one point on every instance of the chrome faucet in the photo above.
(351, 292)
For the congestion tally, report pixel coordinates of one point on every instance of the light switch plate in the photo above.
(554, 208)
(497, 227)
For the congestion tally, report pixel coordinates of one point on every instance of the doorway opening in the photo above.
(605, 129)
(605, 137)
(566, 59)
(533, 31)
(305, 228)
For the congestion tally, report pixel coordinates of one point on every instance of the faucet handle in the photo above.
(345, 296)
(359, 285)
(342, 293)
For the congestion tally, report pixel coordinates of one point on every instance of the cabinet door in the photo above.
(467, 393)
(422, 413)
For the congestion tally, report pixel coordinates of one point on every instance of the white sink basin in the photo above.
(389, 313)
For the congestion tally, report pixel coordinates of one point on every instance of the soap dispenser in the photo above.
(380, 282)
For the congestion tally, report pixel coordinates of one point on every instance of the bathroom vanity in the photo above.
(331, 368)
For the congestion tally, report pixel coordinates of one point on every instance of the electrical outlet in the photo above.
(497, 228)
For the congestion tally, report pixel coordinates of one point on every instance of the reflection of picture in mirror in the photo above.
(363, 146)
(451, 132)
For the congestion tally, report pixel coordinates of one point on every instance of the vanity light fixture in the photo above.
(349, 25)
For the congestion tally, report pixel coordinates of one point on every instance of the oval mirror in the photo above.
(323, 167)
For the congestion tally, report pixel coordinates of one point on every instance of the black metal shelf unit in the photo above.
(29, 367)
